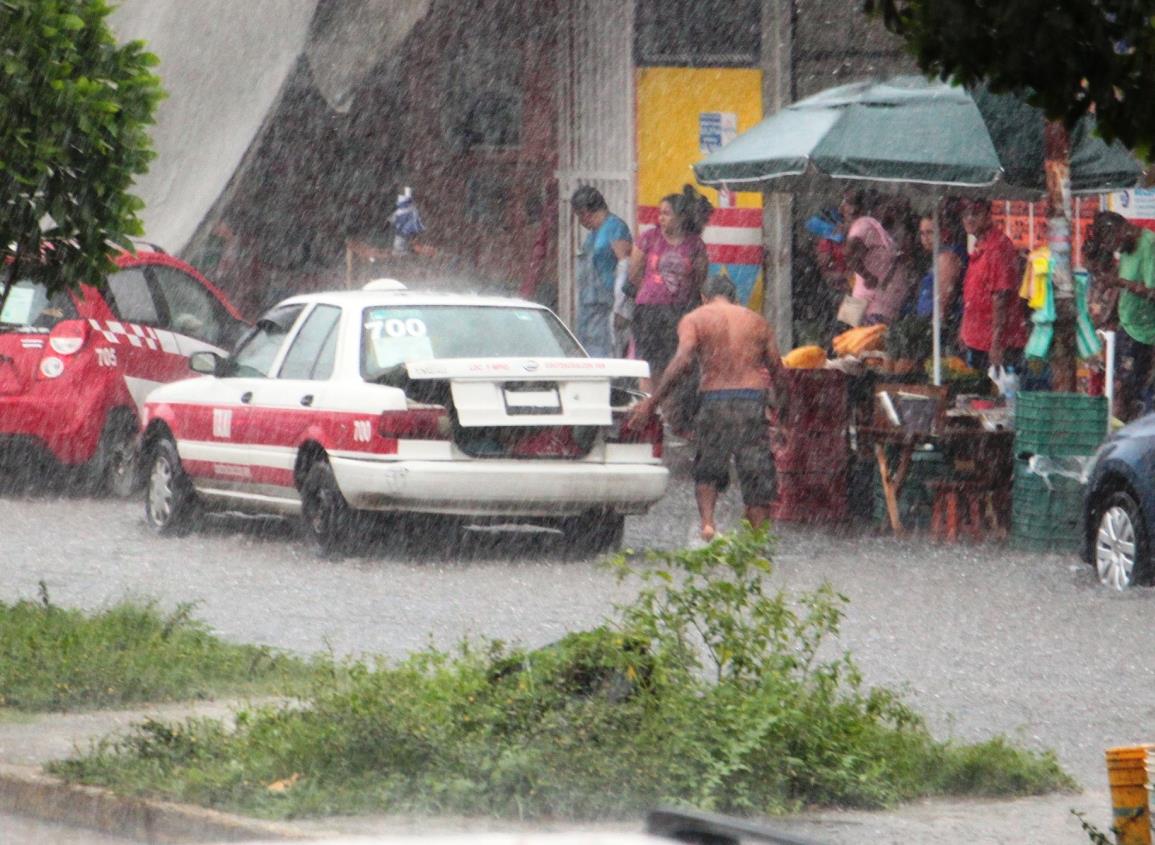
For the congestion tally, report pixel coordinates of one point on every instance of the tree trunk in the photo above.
(1057, 150)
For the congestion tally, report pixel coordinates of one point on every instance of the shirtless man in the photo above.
(737, 357)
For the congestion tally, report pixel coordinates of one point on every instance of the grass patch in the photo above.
(708, 689)
(58, 659)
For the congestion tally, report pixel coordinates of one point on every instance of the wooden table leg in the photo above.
(892, 484)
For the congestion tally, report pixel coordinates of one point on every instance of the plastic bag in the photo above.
(1006, 380)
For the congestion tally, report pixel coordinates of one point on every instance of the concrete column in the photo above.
(778, 208)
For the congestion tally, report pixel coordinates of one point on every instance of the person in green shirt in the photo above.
(1135, 277)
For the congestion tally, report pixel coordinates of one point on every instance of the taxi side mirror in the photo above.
(205, 362)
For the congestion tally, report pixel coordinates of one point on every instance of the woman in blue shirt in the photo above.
(602, 260)
(952, 266)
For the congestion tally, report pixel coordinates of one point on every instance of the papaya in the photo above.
(805, 358)
(859, 340)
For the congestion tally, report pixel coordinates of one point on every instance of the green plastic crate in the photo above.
(1051, 544)
(1043, 401)
(1045, 518)
(1059, 424)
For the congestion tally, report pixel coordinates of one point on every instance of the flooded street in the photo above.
(18, 829)
(985, 640)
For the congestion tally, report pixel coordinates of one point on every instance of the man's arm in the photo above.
(679, 367)
(999, 307)
(772, 360)
(1133, 286)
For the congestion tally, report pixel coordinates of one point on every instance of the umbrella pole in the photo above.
(936, 311)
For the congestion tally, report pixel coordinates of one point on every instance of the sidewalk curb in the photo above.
(25, 791)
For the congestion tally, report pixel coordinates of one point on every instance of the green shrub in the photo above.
(57, 659)
(707, 689)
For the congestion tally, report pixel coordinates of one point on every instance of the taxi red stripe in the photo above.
(242, 473)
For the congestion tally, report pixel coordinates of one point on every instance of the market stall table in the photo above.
(979, 458)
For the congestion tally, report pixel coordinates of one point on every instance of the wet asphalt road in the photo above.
(17, 830)
(984, 640)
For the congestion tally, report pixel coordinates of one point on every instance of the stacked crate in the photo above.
(1046, 511)
(811, 450)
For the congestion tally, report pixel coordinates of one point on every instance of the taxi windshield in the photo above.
(394, 335)
(30, 306)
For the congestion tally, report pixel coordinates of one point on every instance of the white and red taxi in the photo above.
(75, 367)
(392, 400)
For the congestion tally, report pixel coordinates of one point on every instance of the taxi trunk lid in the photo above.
(539, 408)
(530, 391)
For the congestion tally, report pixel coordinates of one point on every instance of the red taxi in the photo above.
(396, 401)
(75, 367)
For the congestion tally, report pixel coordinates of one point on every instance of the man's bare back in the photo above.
(734, 346)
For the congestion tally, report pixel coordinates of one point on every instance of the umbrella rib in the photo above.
(776, 175)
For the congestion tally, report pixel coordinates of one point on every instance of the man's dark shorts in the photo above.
(733, 423)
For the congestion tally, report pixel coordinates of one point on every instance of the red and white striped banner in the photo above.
(734, 235)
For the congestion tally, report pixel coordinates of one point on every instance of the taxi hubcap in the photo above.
(160, 491)
(1115, 548)
(321, 512)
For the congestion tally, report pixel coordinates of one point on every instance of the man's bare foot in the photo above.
(708, 533)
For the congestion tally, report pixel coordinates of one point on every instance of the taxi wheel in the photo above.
(594, 533)
(115, 468)
(170, 500)
(327, 517)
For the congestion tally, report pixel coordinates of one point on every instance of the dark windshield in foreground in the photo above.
(29, 305)
(398, 334)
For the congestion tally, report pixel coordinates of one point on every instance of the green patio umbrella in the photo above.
(912, 135)
(915, 135)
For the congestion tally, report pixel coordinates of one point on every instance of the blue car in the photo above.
(1119, 507)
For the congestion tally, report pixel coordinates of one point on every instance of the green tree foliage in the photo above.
(1070, 58)
(75, 110)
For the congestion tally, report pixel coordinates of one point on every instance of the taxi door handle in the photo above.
(307, 400)
(247, 396)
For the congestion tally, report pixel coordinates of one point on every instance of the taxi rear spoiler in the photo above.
(527, 369)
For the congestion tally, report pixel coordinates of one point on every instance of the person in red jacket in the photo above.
(994, 326)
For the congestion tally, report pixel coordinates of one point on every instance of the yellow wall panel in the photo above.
(670, 102)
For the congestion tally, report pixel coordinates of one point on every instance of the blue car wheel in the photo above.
(1122, 552)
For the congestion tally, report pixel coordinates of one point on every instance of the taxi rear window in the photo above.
(29, 305)
(396, 335)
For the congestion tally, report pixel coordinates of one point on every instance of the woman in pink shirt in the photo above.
(880, 278)
(668, 266)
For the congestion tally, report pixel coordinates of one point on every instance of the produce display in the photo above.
(805, 358)
(859, 340)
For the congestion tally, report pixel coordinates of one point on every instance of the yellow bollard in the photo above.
(1127, 775)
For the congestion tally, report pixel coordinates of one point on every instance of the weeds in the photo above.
(708, 689)
(58, 659)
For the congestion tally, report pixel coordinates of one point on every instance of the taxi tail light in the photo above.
(68, 336)
(415, 424)
(648, 432)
